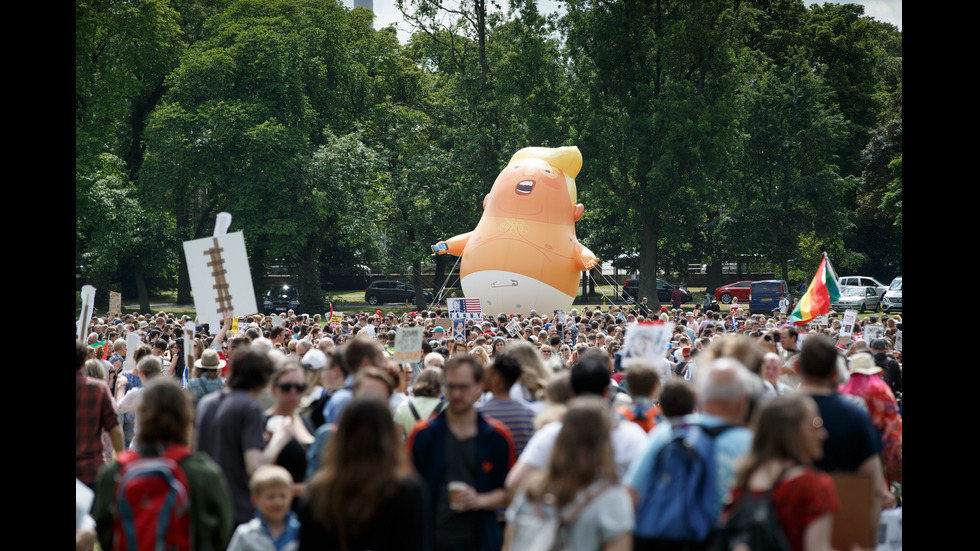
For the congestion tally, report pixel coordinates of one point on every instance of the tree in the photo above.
(126, 236)
(244, 114)
(790, 187)
(655, 119)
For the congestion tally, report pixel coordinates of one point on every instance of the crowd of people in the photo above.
(298, 433)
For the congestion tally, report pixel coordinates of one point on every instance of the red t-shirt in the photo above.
(800, 501)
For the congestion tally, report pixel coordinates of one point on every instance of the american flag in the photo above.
(465, 306)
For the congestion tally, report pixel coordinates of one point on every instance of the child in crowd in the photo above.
(275, 527)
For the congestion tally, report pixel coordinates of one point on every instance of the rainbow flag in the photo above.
(821, 293)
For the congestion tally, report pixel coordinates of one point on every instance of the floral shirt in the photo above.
(884, 414)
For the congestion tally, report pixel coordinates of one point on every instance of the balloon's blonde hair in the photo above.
(568, 159)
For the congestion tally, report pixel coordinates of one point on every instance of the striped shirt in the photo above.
(515, 416)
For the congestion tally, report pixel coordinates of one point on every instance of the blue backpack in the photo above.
(679, 502)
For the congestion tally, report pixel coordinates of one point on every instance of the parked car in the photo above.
(389, 290)
(280, 298)
(631, 291)
(863, 281)
(892, 300)
(858, 298)
(764, 295)
(739, 290)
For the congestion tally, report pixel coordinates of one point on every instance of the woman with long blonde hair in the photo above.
(579, 489)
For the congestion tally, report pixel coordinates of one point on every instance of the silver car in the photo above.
(892, 300)
(863, 281)
(858, 298)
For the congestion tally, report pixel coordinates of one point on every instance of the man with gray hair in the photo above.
(724, 393)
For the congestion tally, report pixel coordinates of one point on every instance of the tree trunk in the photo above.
(649, 248)
(585, 282)
(785, 266)
(144, 296)
(417, 283)
(311, 296)
(714, 277)
(440, 279)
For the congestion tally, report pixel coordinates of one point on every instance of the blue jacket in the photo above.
(494, 457)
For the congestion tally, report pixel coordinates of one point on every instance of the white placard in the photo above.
(277, 321)
(514, 327)
(847, 326)
(88, 302)
(132, 343)
(898, 341)
(219, 274)
(647, 342)
(872, 332)
(408, 344)
(822, 319)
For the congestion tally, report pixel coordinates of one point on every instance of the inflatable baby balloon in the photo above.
(523, 255)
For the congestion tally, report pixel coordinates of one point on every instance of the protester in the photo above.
(230, 425)
(165, 416)
(365, 495)
(473, 453)
(789, 436)
(579, 488)
(275, 526)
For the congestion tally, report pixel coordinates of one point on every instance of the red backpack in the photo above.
(645, 415)
(152, 502)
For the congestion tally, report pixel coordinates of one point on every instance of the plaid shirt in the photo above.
(94, 413)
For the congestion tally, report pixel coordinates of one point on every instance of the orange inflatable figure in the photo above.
(523, 255)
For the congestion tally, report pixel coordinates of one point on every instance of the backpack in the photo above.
(645, 415)
(551, 531)
(152, 502)
(435, 412)
(752, 521)
(679, 503)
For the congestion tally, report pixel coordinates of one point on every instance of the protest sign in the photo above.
(459, 329)
(847, 326)
(445, 323)
(465, 308)
(513, 328)
(874, 331)
(88, 302)
(115, 303)
(647, 342)
(219, 274)
(132, 343)
(408, 344)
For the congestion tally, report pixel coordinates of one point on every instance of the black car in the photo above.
(389, 290)
(280, 298)
(631, 289)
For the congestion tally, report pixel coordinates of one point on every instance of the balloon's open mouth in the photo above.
(525, 187)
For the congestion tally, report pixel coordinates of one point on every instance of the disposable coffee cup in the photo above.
(455, 487)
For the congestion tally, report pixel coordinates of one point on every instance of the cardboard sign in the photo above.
(115, 303)
(847, 326)
(219, 274)
(514, 327)
(898, 341)
(647, 342)
(465, 308)
(337, 317)
(822, 319)
(408, 344)
(445, 323)
(459, 329)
